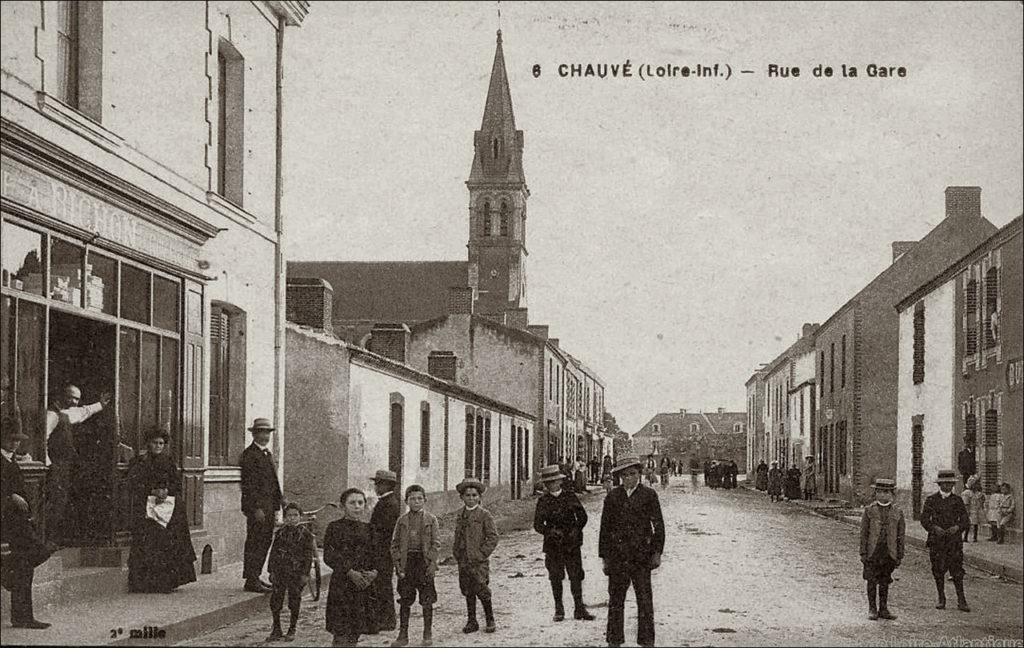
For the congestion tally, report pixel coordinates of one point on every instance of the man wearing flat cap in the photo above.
(631, 541)
(945, 517)
(261, 500)
(560, 518)
(382, 526)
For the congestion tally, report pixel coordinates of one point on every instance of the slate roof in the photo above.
(709, 423)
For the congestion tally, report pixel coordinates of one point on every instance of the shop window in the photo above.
(101, 284)
(168, 414)
(166, 303)
(424, 434)
(80, 56)
(24, 259)
(918, 368)
(227, 383)
(149, 368)
(230, 122)
(22, 330)
(66, 262)
(128, 387)
(135, 294)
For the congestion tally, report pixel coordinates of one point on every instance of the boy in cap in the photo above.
(882, 536)
(945, 517)
(476, 537)
(414, 548)
(291, 556)
(560, 518)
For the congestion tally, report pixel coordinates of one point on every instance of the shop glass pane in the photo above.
(7, 323)
(166, 303)
(128, 389)
(134, 294)
(150, 368)
(101, 284)
(29, 376)
(23, 259)
(169, 391)
(66, 272)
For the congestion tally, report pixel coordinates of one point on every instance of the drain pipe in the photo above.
(279, 292)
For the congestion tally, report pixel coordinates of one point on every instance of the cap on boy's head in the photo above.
(292, 505)
(884, 484)
(415, 488)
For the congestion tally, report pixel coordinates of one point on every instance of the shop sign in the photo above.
(28, 187)
(1014, 373)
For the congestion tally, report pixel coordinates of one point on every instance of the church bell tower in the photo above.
(497, 203)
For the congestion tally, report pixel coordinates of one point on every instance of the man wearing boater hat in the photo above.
(261, 499)
(945, 517)
(631, 541)
(382, 526)
(560, 518)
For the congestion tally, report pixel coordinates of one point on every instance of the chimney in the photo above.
(460, 300)
(516, 318)
(899, 248)
(540, 330)
(963, 201)
(309, 302)
(682, 410)
(721, 410)
(441, 364)
(809, 329)
(390, 341)
(553, 341)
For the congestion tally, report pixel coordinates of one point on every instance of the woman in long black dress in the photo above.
(347, 552)
(161, 558)
(792, 486)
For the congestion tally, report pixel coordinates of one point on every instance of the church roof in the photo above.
(498, 125)
(386, 291)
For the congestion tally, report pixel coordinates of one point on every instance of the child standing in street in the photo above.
(882, 535)
(414, 548)
(994, 499)
(1007, 507)
(475, 538)
(974, 499)
(291, 556)
(348, 551)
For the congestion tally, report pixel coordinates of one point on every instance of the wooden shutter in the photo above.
(193, 398)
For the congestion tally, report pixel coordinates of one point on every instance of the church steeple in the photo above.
(497, 202)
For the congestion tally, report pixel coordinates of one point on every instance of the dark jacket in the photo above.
(260, 489)
(560, 520)
(16, 528)
(966, 462)
(940, 513)
(382, 527)
(292, 554)
(871, 530)
(476, 537)
(632, 528)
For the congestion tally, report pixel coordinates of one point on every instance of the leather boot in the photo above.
(581, 613)
(275, 632)
(488, 615)
(961, 598)
(471, 624)
(403, 627)
(991, 531)
(883, 602)
(1001, 534)
(940, 587)
(556, 592)
(293, 620)
(872, 601)
(428, 625)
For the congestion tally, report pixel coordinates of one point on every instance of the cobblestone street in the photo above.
(737, 570)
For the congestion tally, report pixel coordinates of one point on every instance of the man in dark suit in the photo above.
(261, 500)
(966, 460)
(382, 526)
(945, 518)
(631, 541)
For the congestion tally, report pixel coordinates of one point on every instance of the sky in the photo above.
(680, 229)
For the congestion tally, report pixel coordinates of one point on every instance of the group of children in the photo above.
(415, 546)
(996, 509)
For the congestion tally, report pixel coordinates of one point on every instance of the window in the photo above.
(478, 448)
(655, 449)
(989, 455)
(551, 379)
(485, 220)
(486, 475)
(657, 428)
(694, 428)
(80, 56)
(737, 427)
(230, 122)
(832, 368)
(504, 218)
(227, 383)
(135, 285)
(990, 326)
(558, 383)
(919, 343)
(494, 148)
(842, 360)
(469, 444)
(841, 447)
(424, 434)
(971, 317)
(821, 374)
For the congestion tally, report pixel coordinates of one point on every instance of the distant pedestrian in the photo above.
(974, 499)
(882, 538)
(761, 476)
(560, 518)
(665, 470)
(595, 470)
(261, 500)
(707, 473)
(580, 480)
(792, 483)
(992, 501)
(291, 556)
(651, 471)
(606, 465)
(476, 537)
(414, 549)
(348, 550)
(694, 469)
(382, 527)
(631, 541)
(810, 482)
(966, 460)
(1007, 509)
(945, 517)
(775, 483)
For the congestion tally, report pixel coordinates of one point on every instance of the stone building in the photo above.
(141, 249)
(718, 435)
(757, 442)
(788, 415)
(960, 370)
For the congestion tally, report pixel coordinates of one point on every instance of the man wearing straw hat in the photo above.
(261, 500)
(945, 517)
(631, 541)
(560, 518)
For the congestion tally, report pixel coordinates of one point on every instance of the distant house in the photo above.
(684, 434)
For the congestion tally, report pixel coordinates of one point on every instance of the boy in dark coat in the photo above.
(560, 518)
(945, 517)
(882, 535)
(291, 556)
(476, 537)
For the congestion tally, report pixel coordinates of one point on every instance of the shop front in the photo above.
(100, 290)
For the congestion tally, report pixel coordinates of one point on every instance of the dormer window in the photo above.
(657, 428)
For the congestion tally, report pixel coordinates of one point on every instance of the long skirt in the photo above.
(161, 559)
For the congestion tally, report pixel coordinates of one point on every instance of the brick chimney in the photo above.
(442, 364)
(809, 329)
(682, 410)
(308, 302)
(963, 201)
(539, 330)
(516, 318)
(389, 340)
(554, 342)
(460, 300)
(721, 410)
(899, 248)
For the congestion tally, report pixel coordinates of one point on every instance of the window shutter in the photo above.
(919, 343)
(218, 385)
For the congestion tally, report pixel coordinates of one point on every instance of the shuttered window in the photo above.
(424, 434)
(991, 321)
(227, 383)
(919, 343)
(971, 318)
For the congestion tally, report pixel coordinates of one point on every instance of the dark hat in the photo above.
(946, 477)
(470, 483)
(627, 461)
(158, 432)
(261, 424)
(385, 476)
(551, 473)
(884, 484)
